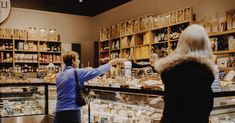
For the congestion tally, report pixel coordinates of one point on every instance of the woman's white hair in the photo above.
(194, 41)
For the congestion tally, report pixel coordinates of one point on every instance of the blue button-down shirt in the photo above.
(65, 83)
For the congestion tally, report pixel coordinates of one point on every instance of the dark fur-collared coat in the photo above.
(188, 94)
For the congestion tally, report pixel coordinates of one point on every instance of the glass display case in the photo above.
(22, 99)
(107, 104)
(125, 105)
(25, 102)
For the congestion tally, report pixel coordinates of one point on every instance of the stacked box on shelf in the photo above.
(188, 14)
(123, 27)
(173, 17)
(148, 38)
(141, 52)
(127, 41)
(180, 15)
(129, 27)
(136, 25)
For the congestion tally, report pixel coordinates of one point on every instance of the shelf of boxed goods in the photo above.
(221, 33)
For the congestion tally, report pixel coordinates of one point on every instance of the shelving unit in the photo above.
(224, 48)
(28, 54)
(137, 37)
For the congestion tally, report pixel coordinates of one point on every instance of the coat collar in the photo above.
(171, 61)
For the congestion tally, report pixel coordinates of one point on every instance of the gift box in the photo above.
(23, 34)
(1, 33)
(180, 15)
(187, 14)
(7, 33)
(173, 17)
(16, 33)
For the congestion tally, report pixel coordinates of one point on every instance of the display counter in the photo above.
(107, 104)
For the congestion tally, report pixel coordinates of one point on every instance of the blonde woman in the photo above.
(187, 75)
(67, 110)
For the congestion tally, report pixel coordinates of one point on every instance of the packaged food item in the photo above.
(32, 33)
(1, 32)
(230, 17)
(42, 34)
(8, 33)
(52, 35)
(156, 21)
(142, 24)
(173, 17)
(23, 34)
(135, 25)
(167, 19)
(16, 33)
(187, 14)
(180, 15)
(129, 29)
(123, 28)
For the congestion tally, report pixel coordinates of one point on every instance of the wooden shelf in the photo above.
(161, 42)
(224, 52)
(106, 51)
(127, 35)
(49, 62)
(147, 33)
(6, 50)
(142, 45)
(174, 40)
(26, 62)
(114, 50)
(103, 62)
(114, 38)
(31, 40)
(159, 28)
(26, 51)
(6, 62)
(141, 32)
(179, 23)
(221, 33)
(141, 59)
(50, 52)
(104, 40)
(127, 47)
(19, 39)
(6, 39)
(226, 68)
(51, 41)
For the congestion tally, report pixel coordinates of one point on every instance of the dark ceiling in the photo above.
(86, 7)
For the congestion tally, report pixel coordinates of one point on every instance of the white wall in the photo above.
(137, 8)
(72, 28)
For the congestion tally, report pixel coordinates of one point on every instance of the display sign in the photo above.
(5, 8)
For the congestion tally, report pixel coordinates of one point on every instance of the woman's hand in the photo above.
(116, 61)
